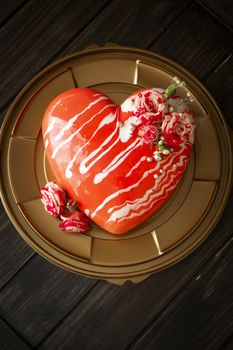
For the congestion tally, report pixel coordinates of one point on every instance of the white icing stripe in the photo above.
(143, 211)
(116, 162)
(135, 204)
(166, 183)
(68, 140)
(114, 195)
(126, 209)
(128, 105)
(54, 106)
(166, 188)
(125, 129)
(121, 154)
(160, 193)
(107, 120)
(83, 169)
(75, 117)
(143, 158)
(135, 201)
(51, 126)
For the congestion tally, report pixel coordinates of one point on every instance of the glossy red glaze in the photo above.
(109, 176)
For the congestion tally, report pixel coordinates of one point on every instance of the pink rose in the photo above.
(53, 199)
(149, 106)
(178, 127)
(148, 133)
(74, 221)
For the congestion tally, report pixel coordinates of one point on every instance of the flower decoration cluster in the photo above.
(159, 123)
(57, 203)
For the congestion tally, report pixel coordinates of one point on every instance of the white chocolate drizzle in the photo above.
(76, 116)
(69, 139)
(107, 120)
(116, 161)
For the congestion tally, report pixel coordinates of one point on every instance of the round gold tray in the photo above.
(168, 236)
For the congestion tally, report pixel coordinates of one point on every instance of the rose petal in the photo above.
(53, 198)
(74, 221)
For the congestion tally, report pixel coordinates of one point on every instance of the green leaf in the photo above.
(170, 90)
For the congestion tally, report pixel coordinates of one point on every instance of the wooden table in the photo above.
(188, 306)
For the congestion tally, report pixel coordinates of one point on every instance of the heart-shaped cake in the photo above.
(120, 163)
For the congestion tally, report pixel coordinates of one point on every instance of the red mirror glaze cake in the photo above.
(120, 163)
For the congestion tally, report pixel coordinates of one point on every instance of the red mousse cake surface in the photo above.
(119, 162)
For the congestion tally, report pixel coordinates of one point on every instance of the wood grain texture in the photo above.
(149, 17)
(201, 317)
(123, 312)
(138, 25)
(39, 297)
(14, 252)
(220, 84)
(9, 340)
(9, 8)
(196, 41)
(221, 10)
(228, 344)
(43, 28)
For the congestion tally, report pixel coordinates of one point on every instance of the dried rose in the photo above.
(148, 105)
(178, 127)
(149, 102)
(53, 199)
(74, 221)
(148, 133)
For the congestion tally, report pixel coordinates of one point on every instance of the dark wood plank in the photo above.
(196, 41)
(101, 30)
(9, 8)
(43, 28)
(14, 251)
(9, 340)
(222, 10)
(220, 83)
(121, 313)
(41, 294)
(228, 345)
(201, 317)
(138, 25)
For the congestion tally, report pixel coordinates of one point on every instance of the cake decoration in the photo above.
(74, 221)
(57, 203)
(53, 199)
(119, 163)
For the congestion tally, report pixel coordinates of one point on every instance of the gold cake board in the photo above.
(170, 234)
